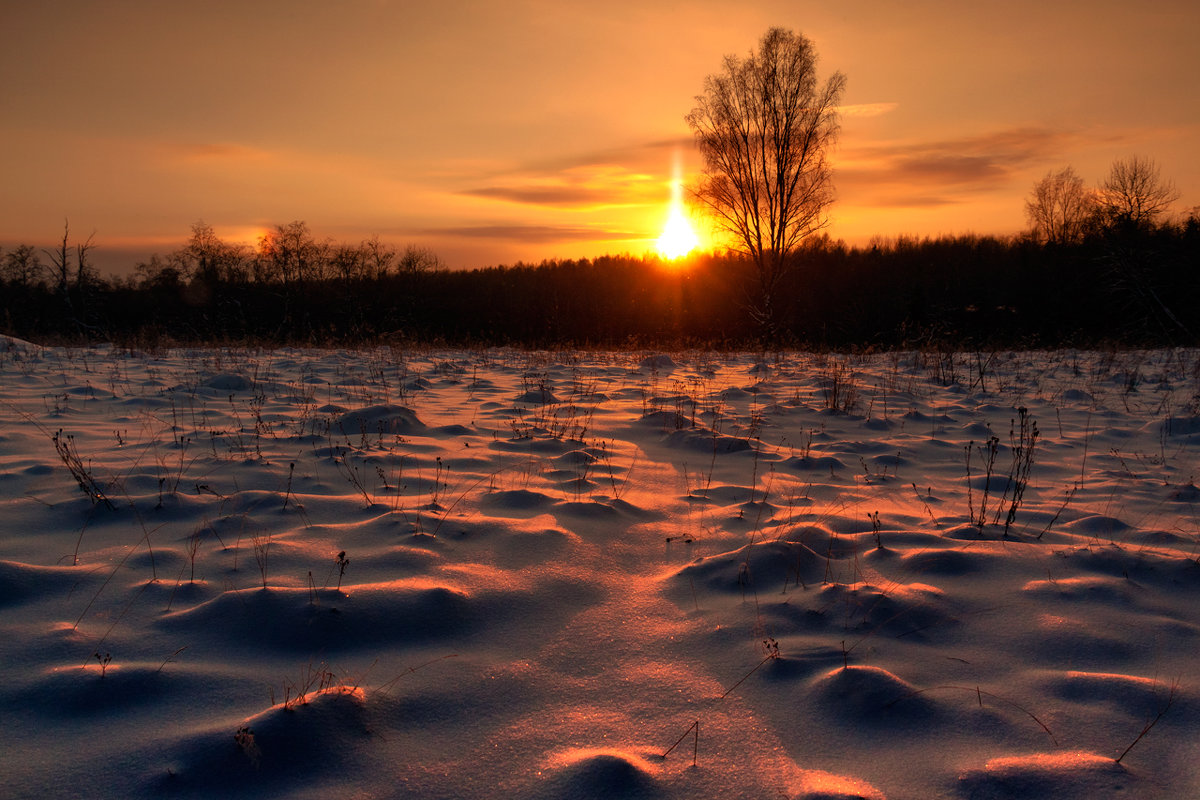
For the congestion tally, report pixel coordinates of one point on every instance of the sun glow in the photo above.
(678, 237)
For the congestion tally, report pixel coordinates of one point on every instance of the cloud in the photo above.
(208, 152)
(588, 186)
(562, 195)
(912, 201)
(612, 189)
(951, 169)
(534, 234)
(867, 109)
(947, 171)
(633, 175)
(651, 155)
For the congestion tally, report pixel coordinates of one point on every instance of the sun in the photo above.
(678, 237)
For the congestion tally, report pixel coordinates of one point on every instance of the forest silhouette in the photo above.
(1119, 285)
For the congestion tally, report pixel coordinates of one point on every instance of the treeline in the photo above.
(1133, 285)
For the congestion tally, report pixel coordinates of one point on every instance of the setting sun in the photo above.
(678, 237)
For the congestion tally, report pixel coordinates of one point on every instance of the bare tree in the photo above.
(159, 273)
(1135, 194)
(1132, 198)
(22, 267)
(417, 259)
(60, 263)
(207, 258)
(377, 256)
(347, 263)
(763, 127)
(74, 297)
(289, 254)
(85, 273)
(1059, 208)
(1191, 221)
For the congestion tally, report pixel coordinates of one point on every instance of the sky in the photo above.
(493, 132)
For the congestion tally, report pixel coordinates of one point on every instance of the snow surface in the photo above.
(443, 574)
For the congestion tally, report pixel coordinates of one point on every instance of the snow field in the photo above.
(442, 574)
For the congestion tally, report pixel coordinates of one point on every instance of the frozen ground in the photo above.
(493, 574)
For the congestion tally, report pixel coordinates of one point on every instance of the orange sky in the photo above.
(494, 132)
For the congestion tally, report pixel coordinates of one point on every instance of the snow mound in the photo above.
(1098, 525)
(871, 695)
(586, 774)
(817, 785)
(658, 363)
(1068, 775)
(385, 418)
(10, 344)
(1142, 565)
(589, 509)
(537, 396)
(226, 382)
(702, 440)
(20, 582)
(897, 609)
(1140, 697)
(517, 500)
(809, 463)
(1073, 640)
(734, 393)
(1185, 493)
(418, 385)
(944, 562)
(1103, 590)
(294, 620)
(667, 420)
(763, 566)
(76, 693)
(576, 458)
(311, 739)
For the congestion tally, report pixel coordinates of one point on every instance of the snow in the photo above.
(444, 574)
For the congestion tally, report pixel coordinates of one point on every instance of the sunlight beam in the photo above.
(678, 237)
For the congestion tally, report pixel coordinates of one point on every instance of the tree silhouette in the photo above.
(1134, 194)
(1059, 208)
(60, 264)
(763, 127)
(208, 259)
(289, 254)
(417, 259)
(1132, 199)
(22, 267)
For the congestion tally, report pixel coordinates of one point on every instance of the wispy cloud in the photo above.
(534, 234)
(201, 153)
(651, 155)
(553, 195)
(592, 186)
(629, 176)
(913, 201)
(942, 172)
(867, 109)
